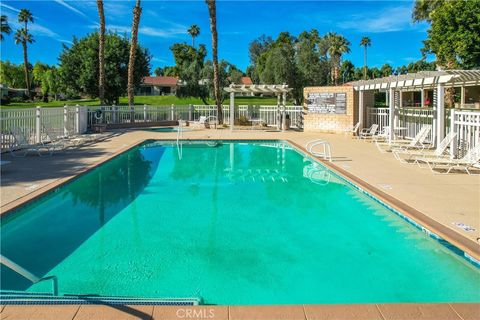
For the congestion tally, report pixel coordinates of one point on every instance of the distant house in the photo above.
(158, 86)
(246, 80)
(11, 92)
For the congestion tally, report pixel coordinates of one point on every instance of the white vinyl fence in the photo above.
(466, 123)
(124, 114)
(32, 121)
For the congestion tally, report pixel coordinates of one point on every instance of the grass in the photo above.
(141, 100)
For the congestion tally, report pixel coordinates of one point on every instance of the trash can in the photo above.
(287, 122)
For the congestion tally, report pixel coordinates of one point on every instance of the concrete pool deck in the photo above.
(456, 311)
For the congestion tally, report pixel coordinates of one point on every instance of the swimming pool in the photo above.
(233, 223)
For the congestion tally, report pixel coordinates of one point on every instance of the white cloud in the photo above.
(148, 31)
(389, 20)
(71, 8)
(9, 7)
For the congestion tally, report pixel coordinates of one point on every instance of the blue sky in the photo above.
(395, 39)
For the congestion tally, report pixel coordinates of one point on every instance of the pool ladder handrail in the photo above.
(28, 275)
(327, 152)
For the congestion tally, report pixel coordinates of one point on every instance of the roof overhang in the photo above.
(421, 80)
(258, 88)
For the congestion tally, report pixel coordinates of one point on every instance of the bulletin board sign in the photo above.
(327, 102)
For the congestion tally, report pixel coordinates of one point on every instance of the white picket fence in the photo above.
(467, 126)
(124, 114)
(62, 121)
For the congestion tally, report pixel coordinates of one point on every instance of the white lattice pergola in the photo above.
(279, 90)
(437, 80)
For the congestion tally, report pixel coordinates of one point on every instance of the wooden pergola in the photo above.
(278, 90)
(436, 80)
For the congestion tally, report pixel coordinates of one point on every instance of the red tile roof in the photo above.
(160, 81)
(246, 80)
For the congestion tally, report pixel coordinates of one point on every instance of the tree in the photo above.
(12, 74)
(137, 11)
(423, 9)
(23, 37)
(158, 72)
(454, 34)
(5, 27)
(365, 42)
(194, 31)
(216, 83)
(40, 76)
(189, 65)
(101, 53)
(347, 71)
(337, 45)
(80, 72)
(386, 70)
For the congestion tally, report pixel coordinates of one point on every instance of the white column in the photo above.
(284, 110)
(278, 113)
(361, 108)
(440, 113)
(391, 113)
(232, 110)
(462, 97)
(77, 119)
(65, 121)
(387, 98)
(453, 144)
(422, 98)
(38, 124)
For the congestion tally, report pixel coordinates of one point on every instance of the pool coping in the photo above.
(427, 224)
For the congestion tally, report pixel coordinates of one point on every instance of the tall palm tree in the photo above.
(194, 31)
(137, 11)
(23, 37)
(5, 27)
(337, 45)
(365, 42)
(212, 10)
(101, 53)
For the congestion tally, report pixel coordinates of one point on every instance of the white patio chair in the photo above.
(406, 155)
(199, 123)
(368, 132)
(416, 143)
(470, 160)
(21, 146)
(353, 130)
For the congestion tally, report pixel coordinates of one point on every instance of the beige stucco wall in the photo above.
(324, 122)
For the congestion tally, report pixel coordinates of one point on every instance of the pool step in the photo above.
(43, 298)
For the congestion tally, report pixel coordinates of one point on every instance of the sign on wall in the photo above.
(326, 102)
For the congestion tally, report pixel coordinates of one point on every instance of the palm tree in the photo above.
(337, 45)
(216, 81)
(365, 42)
(194, 31)
(5, 27)
(23, 37)
(137, 11)
(101, 53)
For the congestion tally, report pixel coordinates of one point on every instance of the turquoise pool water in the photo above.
(233, 223)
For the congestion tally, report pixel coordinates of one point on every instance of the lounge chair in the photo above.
(368, 132)
(200, 123)
(406, 155)
(353, 130)
(382, 136)
(416, 143)
(21, 146)
(470, 160)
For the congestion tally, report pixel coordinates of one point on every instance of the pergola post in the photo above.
(391, 113)
(361, 108)
(284, 110)
(279, 124)
(440, 113)
(232, 110)
(387, 98)
(422, 98)
(453, 144)
(462, 96)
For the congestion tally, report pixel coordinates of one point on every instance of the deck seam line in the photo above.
(76, 312)
(451, 307)
(380, 311)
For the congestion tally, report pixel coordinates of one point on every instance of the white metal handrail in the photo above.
(28, 275)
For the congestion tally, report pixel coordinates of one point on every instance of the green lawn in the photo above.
(141, 100)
